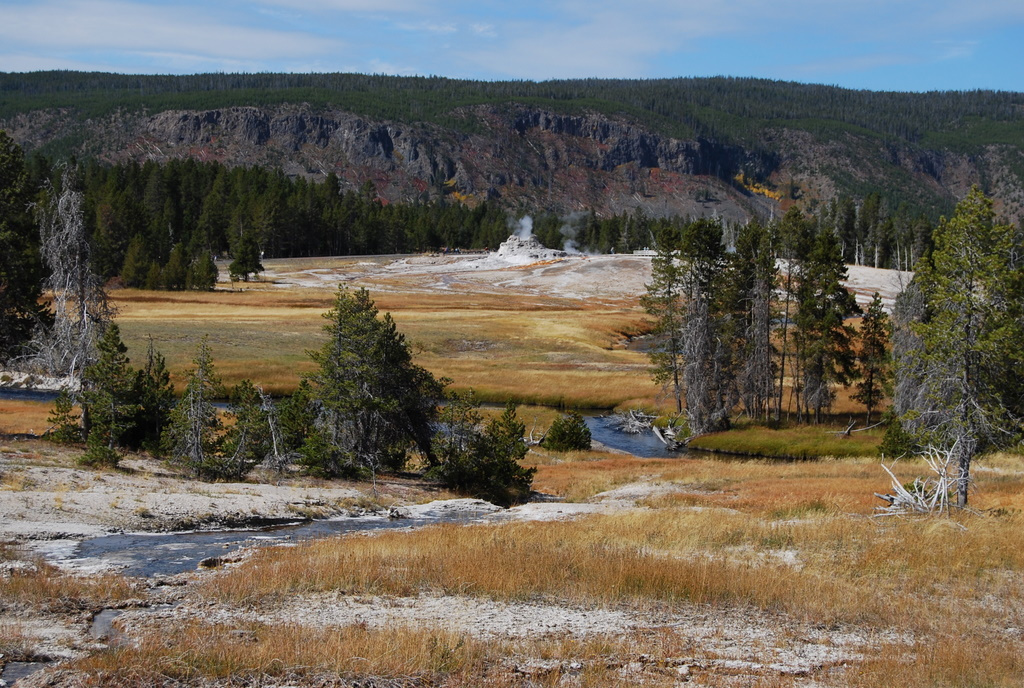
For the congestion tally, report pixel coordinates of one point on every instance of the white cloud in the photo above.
(383, 67)
(955, 50)
(528, 39)
(855, 63)
(110, 25)
(484, 30)
(374, 6)
(18, 62)
(428, 27)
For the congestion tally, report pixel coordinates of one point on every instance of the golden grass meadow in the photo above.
(719, 571)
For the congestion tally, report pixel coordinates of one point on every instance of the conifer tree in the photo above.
(20, 266)
(248, 441)
(795, 235)
(296, 416)
(108, 399)
(247, 257)
(568, 432)
(65, 426)
(202, 273)
(483, 461)
(136, 264)
(873, 357)
(174, 275)
(708, 373)
(506, 449)
(751, 291)
(958, 372)
(154, 395)
(193, 436)
(664, 301)
(824, 340)
(372, 401)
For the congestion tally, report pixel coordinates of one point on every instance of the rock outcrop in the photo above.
(529, 157)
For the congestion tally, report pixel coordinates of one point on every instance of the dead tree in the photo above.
(757, 378)
(925, 495)
(80, 308)
(277, 458)
(633, 421)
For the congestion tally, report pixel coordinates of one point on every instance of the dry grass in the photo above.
(401, 656)
(41, 586)
(848, 569)
(257, 654)
(578, 476)
(19, 417)
(15, 644)
(762, 487)
(952, 659)
(543, 350)
(195, 651)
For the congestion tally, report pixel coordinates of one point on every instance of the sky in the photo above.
(891, 45)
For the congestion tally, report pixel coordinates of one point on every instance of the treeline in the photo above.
(716, 108)
(153, 224)
(734, 326)
(868, 233)
(362, 411)
(161, 226)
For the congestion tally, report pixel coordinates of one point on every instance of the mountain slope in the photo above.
(732, 148)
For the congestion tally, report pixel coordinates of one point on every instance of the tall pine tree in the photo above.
(958, 370)
(824, 339)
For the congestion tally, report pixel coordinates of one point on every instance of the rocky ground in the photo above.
(526, 269)
(46, 501)
(48, 505)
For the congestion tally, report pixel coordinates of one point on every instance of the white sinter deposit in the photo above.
(524, 251)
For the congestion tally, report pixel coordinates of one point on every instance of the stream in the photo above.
(159, 555)
(645, 445)
(167, 554)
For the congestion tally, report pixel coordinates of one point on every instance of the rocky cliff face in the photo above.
(532, 158)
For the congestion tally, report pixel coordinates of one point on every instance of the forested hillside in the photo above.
(732, 148)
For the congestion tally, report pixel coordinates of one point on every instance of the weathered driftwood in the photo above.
(847, 431)
(633, 421)
(925, 495)
(532, 440)
(669, 439)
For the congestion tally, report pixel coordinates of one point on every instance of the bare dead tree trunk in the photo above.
(80, 308)
(785, 339)
(758, 378)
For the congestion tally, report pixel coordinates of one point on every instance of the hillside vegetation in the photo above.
(666, 146)
(729, 109)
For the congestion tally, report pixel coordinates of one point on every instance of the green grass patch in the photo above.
(799, 442)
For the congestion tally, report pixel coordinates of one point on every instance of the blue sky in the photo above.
(903, 45)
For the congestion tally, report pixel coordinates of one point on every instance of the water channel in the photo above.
(602, 429)
(166, 554)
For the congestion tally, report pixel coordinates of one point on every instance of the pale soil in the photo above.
(745, 640)
(598, 279)
(44, 497)
(46, 501)
(864, 282)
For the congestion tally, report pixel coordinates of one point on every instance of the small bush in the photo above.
(569, 432)
(65, 422)
(99, 453)
(482, 463)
